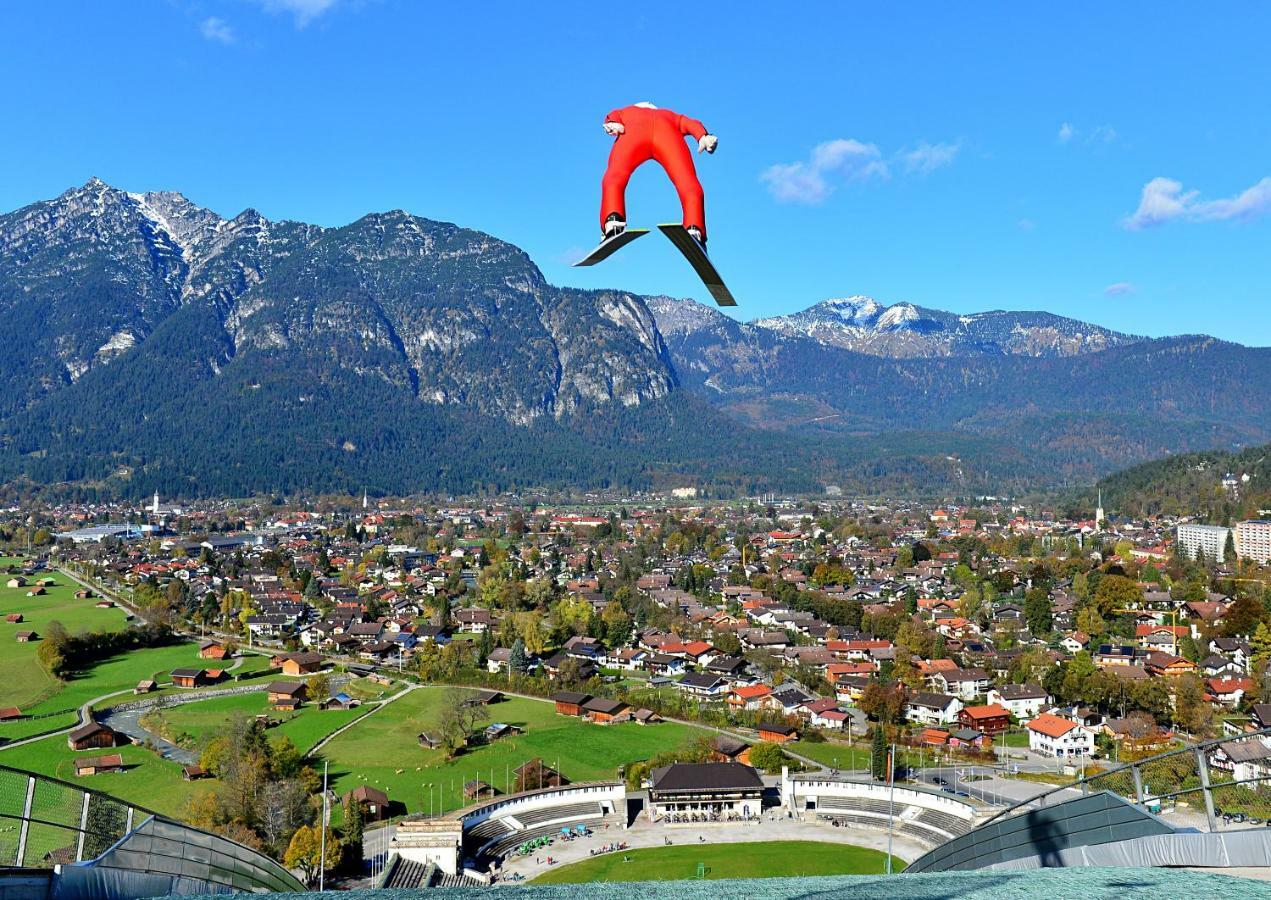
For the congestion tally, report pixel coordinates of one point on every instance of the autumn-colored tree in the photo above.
(305, 852)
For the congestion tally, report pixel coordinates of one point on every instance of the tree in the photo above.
(319, 687)
(305, 852)
(1115, 593)
(1191, 711)
(884, 701)
(458, 718)
(878, 755)
(518, 662)
(1037, 612)
(767, 756)
(354, 829)
(1244, 615)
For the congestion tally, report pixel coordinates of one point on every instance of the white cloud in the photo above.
(215, 28)
(1164, 200)
(814, 179)
(926, 158)
(1120, 289)
(843, 160)
(304, 11)
(1103, 134)
(1100, 134)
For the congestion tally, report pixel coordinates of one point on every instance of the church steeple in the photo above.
(1098, 513)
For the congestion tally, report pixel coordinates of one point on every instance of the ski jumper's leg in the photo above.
(676, 158)
(626, 156)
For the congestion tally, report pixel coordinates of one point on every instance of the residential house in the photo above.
(1049, 735)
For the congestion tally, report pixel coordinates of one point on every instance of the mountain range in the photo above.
(157, 345)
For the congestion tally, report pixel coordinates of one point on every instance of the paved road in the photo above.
(128, 722)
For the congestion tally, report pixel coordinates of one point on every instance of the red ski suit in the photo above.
(653, 134)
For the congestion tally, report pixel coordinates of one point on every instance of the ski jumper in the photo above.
(656, 134)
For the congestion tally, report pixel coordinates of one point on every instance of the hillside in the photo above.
(164, 347)
(1193, 484)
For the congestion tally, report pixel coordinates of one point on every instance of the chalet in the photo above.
(1168, 664)
(287, 694)
(95, 765)
(824, 713)
(484, 698)
(1023, 701)
(1228, 691)
(536, 775)
(16, 582)
(1049, 735)
(965, 684)
(25, 637)
(644, 716)
(9, 713)
(498, 660)
(569, 703)
(374, 802)
(1115, 655)
(14, 618)
(702, 684)
(749, 696)
(1246, 760)
(213, 650)
(189, 678)
(990, 719)
(477, 790)
(602, 710)
(474, 619)
(94, 735)
(301, 663)
(726, 748)
(496, 730)
(146, 686)
(339, 701)
(924, 708)
(194, 773)
(777, 732)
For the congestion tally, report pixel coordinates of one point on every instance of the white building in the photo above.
(1023, 701)
(1253, 540)
(1050, 735)
(1209, 539)
(926, 708)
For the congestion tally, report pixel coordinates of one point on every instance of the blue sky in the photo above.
(1104, 161)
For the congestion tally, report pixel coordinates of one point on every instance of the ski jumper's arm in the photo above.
(691, 126)
(613, 123)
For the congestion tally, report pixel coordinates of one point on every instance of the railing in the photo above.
(45, 822)
(1200, 776)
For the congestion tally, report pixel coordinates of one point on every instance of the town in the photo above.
(437, 656)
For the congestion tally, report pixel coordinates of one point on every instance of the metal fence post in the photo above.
(1138, 784)
(26, 822)
(1203, 767)
(83, 826)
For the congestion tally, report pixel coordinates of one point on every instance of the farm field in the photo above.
(201, 721)
(26, 683)
(762, 859)
(118, 673)
(383, 750)
(148, 780)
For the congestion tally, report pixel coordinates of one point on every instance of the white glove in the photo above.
(614, 128)
(707, 143)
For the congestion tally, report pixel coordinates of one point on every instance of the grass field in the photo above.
(834, 754)
(149, 780)
(26, 683)
(766, 859)
(201, 721)
(383, 750)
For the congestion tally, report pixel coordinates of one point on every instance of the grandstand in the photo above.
(929, 817)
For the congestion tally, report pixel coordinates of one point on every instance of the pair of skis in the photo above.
(694, 252)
